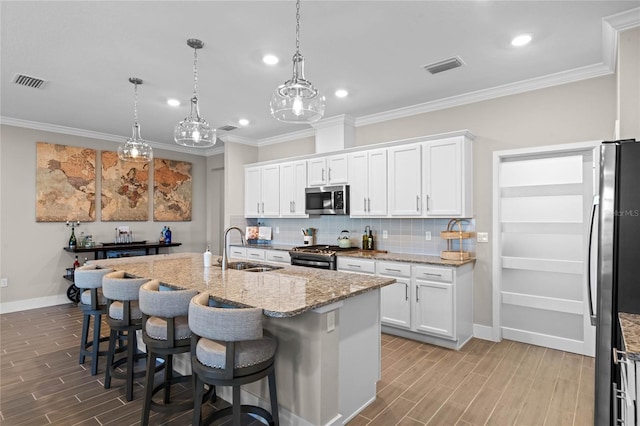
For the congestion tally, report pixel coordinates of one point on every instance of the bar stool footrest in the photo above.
(244, 409)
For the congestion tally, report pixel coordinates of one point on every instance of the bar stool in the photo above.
(92, 304)
(228, 348)
(165, 332)
(125, 318)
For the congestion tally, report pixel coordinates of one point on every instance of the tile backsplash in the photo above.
(403, 235)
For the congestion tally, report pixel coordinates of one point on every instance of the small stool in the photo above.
(92, 304)
(165, 332)
(125, 318)
(228, 348)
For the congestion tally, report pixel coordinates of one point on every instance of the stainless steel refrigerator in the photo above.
(616, 237)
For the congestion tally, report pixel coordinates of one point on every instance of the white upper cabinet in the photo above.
(405, 181)
(293, 180)
(447, 173)
(262, 191)
(327, 170)
(368, 183)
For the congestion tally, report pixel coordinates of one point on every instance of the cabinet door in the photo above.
(300, 176)
(396, 304)
(358, 192)
(434, 313)
(443, 177)
(377, 183)
(337, 169)
(270, 203)
(252, 192)
(317, 171)
(287, 186)
(405, 180)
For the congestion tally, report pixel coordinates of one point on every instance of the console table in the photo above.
(100, 252)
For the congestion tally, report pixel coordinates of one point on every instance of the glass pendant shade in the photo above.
(297, 100)
(194, 131)
(135, 149)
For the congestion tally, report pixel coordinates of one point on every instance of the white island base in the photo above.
(327, 364)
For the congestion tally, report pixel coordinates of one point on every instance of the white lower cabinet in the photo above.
(278, 256)
(360, 266)
(255, 254)
(436, 307)
(627, 392)
(395, 309)
(238, 252)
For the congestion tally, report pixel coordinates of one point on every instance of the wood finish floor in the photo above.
(506, 383)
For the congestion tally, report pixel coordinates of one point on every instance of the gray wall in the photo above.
(32, 256)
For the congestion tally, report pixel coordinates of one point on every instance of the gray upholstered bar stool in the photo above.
(125, 318)
(228, 348)
(92, 304)
(165, 332)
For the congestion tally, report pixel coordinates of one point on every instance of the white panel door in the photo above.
(544, 204)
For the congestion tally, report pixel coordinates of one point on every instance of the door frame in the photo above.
(496, 245)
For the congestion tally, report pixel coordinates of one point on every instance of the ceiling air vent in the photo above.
(227, 128)
(445, 65)
(28, 81)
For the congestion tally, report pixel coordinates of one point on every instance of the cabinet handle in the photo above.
(431, 275)
(329, 175)
(392, 270)
(322, 175)
(365, 203)
(277, 257)
(406, 291)
(417, 203)
(417, 294)
(294, 206)
(427, 198)
(254, 254)
(369, 203)
(353, 266)
(258, 207)
(263, 207)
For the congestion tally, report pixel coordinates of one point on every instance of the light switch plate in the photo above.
(4, 282)
(385, 235)
(483, 237)
(427, 236)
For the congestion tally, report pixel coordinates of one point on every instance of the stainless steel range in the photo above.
(317, 256)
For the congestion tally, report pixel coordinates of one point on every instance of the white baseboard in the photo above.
(484, 332)
(38, 302)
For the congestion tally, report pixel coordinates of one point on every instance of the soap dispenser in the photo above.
(208, 258)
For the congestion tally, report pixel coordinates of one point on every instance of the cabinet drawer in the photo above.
(255, 254)
(238, 252)
(394, 269)
(346, 263)
(434, 273)
(278, 256)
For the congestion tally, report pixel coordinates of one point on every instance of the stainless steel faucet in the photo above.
(225, 261)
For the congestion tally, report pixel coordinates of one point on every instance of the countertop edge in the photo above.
(630, 326)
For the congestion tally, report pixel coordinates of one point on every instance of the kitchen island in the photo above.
(327, 325)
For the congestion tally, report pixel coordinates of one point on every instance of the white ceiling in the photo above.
(87, 50)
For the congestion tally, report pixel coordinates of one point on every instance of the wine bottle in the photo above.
(76, 263)
(72, 239)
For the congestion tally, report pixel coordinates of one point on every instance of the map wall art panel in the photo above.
(172, 190)
(65, 183)
(125, 189)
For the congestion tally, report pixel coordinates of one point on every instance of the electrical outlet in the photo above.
(385, 235)
(482, 237)
(4, 282)
(427, 236)
(277, 229)
(331, 321)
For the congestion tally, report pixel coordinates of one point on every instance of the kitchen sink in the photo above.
(252, 267)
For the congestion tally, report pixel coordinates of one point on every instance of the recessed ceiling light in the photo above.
(243, 122)
(521, 40)
(173, 102)
(341, 93)
(270, 59)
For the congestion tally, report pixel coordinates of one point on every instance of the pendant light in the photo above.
(297, 101)
(194, 131)
(135, 148)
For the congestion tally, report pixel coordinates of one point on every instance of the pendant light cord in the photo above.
(135, 103)
(297, 26)
(195, 73)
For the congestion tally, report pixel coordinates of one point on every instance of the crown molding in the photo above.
(287, 137)
(72, 131)
(343, 119)
(238, 139)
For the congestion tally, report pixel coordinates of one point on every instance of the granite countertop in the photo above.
(285, 292)
(630, 325)
(377, 255)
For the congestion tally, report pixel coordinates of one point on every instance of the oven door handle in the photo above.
(323, 264)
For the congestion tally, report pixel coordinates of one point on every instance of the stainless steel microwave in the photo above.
(327, 200)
